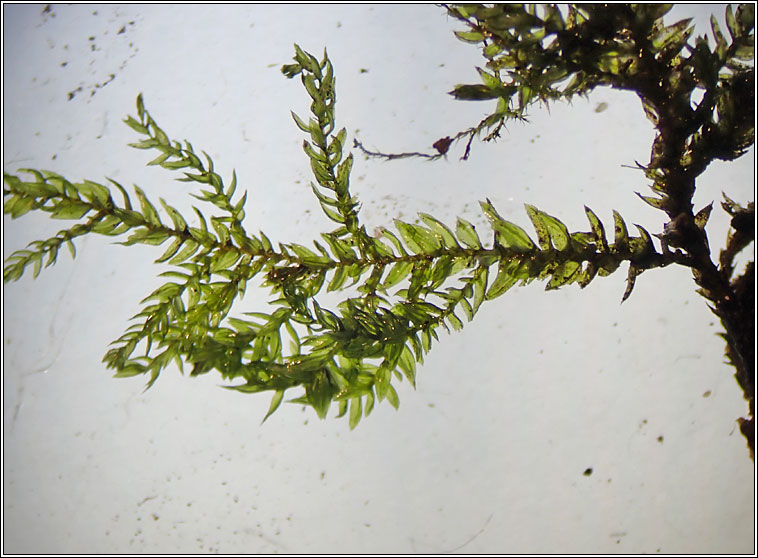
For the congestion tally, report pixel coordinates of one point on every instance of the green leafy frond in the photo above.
(400, 288)
(545, 53)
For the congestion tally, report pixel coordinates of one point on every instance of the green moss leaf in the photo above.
(444, 234)
(419, 239)
(66, 209)
(469, 36)
(508, 235)
(621, 233)
(356, 411)
(506, 278)
(276, 401)
(563, 274)
(597, 229)
(467, 234)
(557, 232)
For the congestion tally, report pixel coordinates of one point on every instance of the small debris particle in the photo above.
(122, 30)
(601, 107)
(442, 145)
(707, 393)
(364, 71)
(587, 472)
(660, 439)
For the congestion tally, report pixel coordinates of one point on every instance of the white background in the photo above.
(488, 453)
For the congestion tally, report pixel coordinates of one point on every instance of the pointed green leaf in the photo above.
(319, 394)
(731, 23)
(398, 272)
(66, 209)
(597, 229)
(190, 247)
(179, 223)
(392, 397)
(148, 210)
(127, 202)
(300, 124)
(563, 274)
(621, 234)
(444, 233)
(18, 206)
(172, 249)
(276, 400)
(96, 193)
(395, 241)
(718, 36)
(508, 234)
(407, 364)
(634, 271)
(454, 321)
(221, 230)
(223, 259)
(146, 236)
(179, 164)
(557, 231)
(480, 287)
(343, 175)
(338, 279)
(701, 219)
(658, 203)
(356, 410)
(140, 107)
(469, 36)
(643, 245)
(676, 34)
(467, 234)
(129, 370)
(586, 276)
(506, 278)
(419, 239)
(543, 236)
(307, 255)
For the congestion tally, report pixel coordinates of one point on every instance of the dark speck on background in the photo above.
(587, 471)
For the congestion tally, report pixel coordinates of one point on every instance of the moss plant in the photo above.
(400, 289)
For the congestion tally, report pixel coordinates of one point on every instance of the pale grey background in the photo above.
(487, 454)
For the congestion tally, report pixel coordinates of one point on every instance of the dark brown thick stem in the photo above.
(677, 166)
